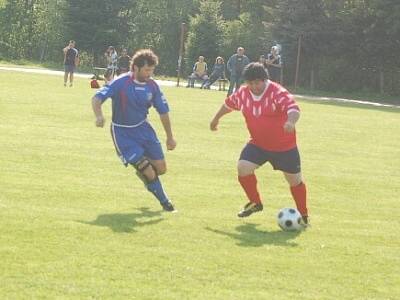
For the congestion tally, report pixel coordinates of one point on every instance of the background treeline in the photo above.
(348, 45)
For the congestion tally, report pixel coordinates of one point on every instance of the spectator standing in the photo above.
(112, 60)
(123, 62)
(235, 65)
(274, 64)
(262, 60)
(71, 60)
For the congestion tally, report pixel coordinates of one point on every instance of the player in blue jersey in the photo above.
(135, 141)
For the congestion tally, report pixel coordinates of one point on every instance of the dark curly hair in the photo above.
(143, 57)
(254, 71)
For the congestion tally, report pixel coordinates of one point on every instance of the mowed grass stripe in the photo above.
(76, 224)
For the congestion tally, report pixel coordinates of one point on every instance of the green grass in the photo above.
(76, 224)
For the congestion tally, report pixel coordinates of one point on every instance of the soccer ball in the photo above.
(289, 219)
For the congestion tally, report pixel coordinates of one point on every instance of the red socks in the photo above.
(299, 194)
(249, 184)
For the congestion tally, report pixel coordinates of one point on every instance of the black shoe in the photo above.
(250, 208)
(167, 206)
(304, 222)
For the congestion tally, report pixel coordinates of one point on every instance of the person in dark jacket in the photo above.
(235, 65)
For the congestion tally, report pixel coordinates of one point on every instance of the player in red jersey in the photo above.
(271, 113)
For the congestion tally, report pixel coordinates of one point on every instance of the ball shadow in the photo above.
(247, 235)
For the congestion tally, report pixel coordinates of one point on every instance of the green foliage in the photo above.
(244, 32)
(360, 33)
(205, 33)
(363, 34)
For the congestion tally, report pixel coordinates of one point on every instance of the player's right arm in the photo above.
(231, 103)
(220, 113)
(98, 112)
(98, 100)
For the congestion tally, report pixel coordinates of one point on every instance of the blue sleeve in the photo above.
(159, 101)
(105, 92)
(108, 90)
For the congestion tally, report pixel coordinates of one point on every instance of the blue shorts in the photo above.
(69, 68)
(286, 161)
(132, 143)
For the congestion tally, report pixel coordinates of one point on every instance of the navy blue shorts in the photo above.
(132, 143)
(69, 68)
(286, 161)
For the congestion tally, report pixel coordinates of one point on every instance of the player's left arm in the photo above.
(290, 124)
(171, 143)
(287, 105)
(161, 105)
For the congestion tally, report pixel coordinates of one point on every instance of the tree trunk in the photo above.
(381, 82)
(312, 83)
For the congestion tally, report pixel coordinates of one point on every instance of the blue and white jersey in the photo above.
(131, 100)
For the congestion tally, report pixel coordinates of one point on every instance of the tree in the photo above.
(205, 33)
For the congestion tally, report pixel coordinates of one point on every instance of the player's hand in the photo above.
(289, 127)
(100, 121)
(171, 144)
(214, 125)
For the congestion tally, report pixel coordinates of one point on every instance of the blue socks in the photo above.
(157, 190)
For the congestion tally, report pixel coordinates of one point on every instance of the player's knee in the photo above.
(293, 179)
(161, 170)
(244, 169)
(145, 170)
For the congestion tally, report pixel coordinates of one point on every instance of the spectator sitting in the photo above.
(199, 72)
(217, 73)
(123, 62)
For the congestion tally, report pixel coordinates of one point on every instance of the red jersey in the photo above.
(265, 115)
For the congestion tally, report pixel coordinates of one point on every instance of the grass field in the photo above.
(76, 224)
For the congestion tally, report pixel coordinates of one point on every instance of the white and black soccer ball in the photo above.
(289, 219)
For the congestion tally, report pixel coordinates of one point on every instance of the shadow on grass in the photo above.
(248, 235)
(126, 223)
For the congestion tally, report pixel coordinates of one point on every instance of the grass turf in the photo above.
(76, 224)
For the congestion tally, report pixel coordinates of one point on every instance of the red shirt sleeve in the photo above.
(236, 100)
(232, 102)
